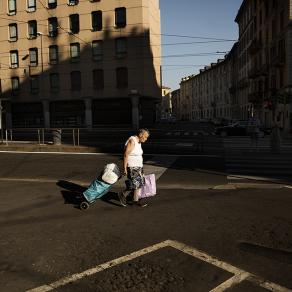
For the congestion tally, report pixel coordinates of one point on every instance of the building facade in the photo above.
(185, 102)
(207, 95)
(255, 78)
(175, 101)
(70, 63)
(166, 107)
(265, 61)
(211, 95)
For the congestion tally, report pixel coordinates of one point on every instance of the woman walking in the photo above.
(133, 167)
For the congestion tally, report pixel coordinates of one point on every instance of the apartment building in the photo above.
(211, 96)
(246, 32)
(166, 108)
(71, 63)
(175, 101)
(265, 60)
(185, 104)
(207, 95)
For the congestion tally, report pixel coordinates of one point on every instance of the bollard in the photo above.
(57, 136)
(39, 138)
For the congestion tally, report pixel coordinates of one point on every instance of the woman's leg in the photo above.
(136, 195)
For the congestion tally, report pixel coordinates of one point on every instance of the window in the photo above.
(282, 50)
(15, 85)
(282, 19)
(52, 4)
(274, 29)
(53, 54)
(73, 2)
(14, 59)
(121, 47)
(75, 80)
(13, 36)
(98, 79)
(31, 5)
(32, 29)
(54, 82)
(33, 57)
(53, 26)
(120, 17)
(34, 84)
(96, 19)
(11, 7)
(122, 77)
(74, 23)
(75, 52)
(97, 50)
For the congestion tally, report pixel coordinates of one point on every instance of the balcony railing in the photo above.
(255, 97)
(254, 47)
(254, 73)
(278, 60)
(242, 83)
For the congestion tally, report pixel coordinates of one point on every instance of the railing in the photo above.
(41, 136)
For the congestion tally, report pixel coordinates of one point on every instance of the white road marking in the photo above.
(236, 279)
(110, 154)
(57, 152)
(234, 177)
(154, 165)
(99, 268)
(28, 179)
(239, 275)
(185, 144)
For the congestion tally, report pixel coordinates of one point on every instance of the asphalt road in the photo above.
(45, 238)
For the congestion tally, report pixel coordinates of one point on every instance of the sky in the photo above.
(189, 19)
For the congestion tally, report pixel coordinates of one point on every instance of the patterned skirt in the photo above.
(135, 178)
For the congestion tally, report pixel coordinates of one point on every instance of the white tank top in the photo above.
(135, 158)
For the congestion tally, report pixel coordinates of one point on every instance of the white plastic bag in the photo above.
(111, 173)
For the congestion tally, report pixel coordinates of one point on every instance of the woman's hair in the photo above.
(142, 130)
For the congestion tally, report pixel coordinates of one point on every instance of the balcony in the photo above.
(254, 73)
(242, 83)
(232, 90)
(255, 97)
(264, 70)
(278, 60)
(254, 47)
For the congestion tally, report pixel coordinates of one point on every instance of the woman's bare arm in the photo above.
(128, 149)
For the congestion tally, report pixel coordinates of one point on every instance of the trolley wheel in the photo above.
(84, 205)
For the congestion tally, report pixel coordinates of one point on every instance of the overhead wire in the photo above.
(207, 40)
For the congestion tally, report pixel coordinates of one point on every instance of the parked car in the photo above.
(220, 122)
(239, 128)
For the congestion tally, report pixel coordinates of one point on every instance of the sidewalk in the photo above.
(31, 147)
